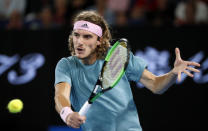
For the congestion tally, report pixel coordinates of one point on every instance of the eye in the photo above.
(76, 34)
(87, 36)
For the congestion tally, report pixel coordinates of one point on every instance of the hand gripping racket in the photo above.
(112, 70)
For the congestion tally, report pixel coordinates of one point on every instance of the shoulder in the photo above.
(66, 61)
(138, 59)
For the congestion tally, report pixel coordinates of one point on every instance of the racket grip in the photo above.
(84, 108)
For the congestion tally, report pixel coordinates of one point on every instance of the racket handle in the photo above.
(84, 108)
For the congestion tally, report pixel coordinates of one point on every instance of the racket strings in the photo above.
(115, 66)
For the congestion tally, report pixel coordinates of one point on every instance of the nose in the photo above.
(80, 41)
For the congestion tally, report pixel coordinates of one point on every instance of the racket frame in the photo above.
(98, 84)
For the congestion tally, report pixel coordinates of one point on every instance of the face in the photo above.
(85, 44)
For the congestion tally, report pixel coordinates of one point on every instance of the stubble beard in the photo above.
(91, 57)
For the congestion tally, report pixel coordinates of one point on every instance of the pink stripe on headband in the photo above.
(85, 25)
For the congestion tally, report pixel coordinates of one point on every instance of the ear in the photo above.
(99, 41)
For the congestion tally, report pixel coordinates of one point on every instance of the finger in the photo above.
(73, 124)
(76, 122)
(179, 76)
(80, 122)
(188, 73)
(82, 119)
(70, 122)
(193, 63)
(192, 69)
(76, 126)
(177, 53)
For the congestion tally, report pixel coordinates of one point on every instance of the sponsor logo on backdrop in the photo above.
(158, 63)
(27, 70)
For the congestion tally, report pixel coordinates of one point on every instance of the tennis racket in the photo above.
(112, 71)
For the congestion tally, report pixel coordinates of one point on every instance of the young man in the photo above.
(75, 77)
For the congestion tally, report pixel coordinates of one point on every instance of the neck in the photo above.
(89, 60)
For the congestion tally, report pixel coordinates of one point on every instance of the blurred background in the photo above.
(34, 36)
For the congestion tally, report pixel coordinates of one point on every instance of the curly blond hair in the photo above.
(95, 18)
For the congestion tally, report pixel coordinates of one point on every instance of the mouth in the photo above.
(80, 50)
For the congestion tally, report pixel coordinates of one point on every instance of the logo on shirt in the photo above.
(62, 112)
(84, 26)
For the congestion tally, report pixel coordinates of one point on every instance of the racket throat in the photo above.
(97, 91)
(94, 97)
(96, 88)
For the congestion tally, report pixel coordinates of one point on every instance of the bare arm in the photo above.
(62, 95)
(159, 84)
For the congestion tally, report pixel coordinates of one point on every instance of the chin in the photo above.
(80, 56)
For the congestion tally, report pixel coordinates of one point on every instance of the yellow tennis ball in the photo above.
(15, 106)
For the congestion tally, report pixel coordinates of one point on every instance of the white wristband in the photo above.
(65, 111)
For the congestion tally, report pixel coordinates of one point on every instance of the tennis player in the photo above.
(75, 77)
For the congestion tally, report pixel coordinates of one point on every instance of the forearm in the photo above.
(60, 102)
(159, 84)
(62, 94)
(162, 83)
